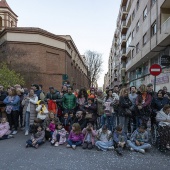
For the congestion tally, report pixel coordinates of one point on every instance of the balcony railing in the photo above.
(123, 51)
(123, 65)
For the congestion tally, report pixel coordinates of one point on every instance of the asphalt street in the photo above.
(14, 156)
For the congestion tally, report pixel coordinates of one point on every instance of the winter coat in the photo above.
(158, 103)
(69, 101)
(93, 134)
(146, 105)
(119, 137)
(62, 134)
(91, 109)
(139, 136)
(38, 136)
(15, 102)
(3, 95)
(4, 129)
(100, 110)
(162, 117)
(76, 137)
(32, 104)
(82, 122)
(124, 103)
(52, 127)
(53, 96)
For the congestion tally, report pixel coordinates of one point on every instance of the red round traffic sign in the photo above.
(155, 69)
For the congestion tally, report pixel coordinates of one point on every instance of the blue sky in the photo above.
(91, 23)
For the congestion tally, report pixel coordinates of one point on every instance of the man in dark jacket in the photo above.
(3, 95)
(35, 87)
(150, 90)
(80, 119)
(53, 95)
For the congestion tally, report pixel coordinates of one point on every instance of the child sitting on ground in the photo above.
(34, 126)
(89, 137)
(5, 129)
(36, 138)
(104, 139)
(52, 126)
(119, 140)
(59, 135)
(75, 137)
(139, 140)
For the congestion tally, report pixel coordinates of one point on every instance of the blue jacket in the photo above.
(119, 137)
(15, 102)
(141, 137)
(158, 103)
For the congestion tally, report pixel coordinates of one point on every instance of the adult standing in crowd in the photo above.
(29, 109)
(38, 92)
(3, 95)
(132, 97)
(69, 101)
(124, 109)
(82, 98)
(143, 103)
(99, 101)
(150, 90)
(166, 93)
(13, 103)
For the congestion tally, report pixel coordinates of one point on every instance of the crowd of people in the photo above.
(112, 120)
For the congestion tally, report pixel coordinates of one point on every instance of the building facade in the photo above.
(42, 57)
(142, 36)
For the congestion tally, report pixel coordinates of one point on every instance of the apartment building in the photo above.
(141, 38)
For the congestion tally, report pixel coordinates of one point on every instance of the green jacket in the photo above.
(69, 101)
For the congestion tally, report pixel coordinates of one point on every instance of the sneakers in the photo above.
(14, 132)
(56, 144)
(131, 149)
(74, 146)
(119, 151)
(26, 133)
(10, 136)
(27, 145)
(68, 146)
(141, 151)
(111, 148)
(52, 142)
(36, 146)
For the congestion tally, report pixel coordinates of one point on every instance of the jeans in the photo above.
(136, 148)
(77, 143)
(104, 145)
(39, 142)
(109, 121)
(124, 122)
(27, 120)
(13, 119)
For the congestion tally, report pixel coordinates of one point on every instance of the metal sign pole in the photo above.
(155, 84)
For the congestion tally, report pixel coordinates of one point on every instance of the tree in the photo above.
(94, 63)
(9, 77)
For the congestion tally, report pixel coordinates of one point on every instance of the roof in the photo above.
(4, 4)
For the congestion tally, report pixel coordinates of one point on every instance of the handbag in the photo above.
(9, 109)
(128, 112)
(88, 115)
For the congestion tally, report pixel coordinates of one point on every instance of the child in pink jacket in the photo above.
(59, 136)
(4, 129)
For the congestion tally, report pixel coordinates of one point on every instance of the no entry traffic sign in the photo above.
(155, 69)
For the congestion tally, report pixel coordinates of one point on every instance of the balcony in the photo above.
(123, 65)
(124, 2)
(124, 13)
(123, 40)
(124, 28)
(123, 54)
(128, 5)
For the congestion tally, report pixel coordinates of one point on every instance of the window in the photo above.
(137, 5)
(133, 34)
(133, 53)
(133, 14)
(128, 41)
(137, 26)
(153, 29)
(144, 39)
(153, 2)
(137, 48)
(145, 13)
